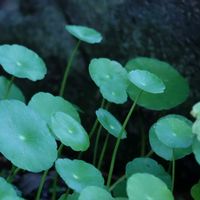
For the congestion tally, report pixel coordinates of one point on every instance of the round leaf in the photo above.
(94, 193)
(78, 174)
(14, 93)
(22, 62)
(110, 123)
(176, 91)
(174, 131)
(85, 34)
(148, 165)
(46, 104)
(6, 190)
(24, 137)
(195, 191)
(146, 81)
(69, 131)
(111, 77)
(196, 110)
(165, 151)
(143, 186)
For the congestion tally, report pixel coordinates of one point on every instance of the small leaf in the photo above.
(174, 131)
(146, 81)
(110, 123)
(195, 191)
(95, 193)
(85, 34)
(176, 91)
(111, 78)
(78, 174)
(22, 62)
(7, 191)
(46, 104)
(148, 165)
(14, 93)
(165, 151)
(196, 110)
(69, 131)
(143, 186)
(24, 137)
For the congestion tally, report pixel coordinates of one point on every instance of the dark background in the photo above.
(167, 30)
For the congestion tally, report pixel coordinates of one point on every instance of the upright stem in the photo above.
(67, 69)
(173, 171)
(117, 182)
(13, 173)
(103, 152)
(41, 185)
(118, 140)
(9, 87)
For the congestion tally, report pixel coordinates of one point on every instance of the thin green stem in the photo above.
(54, 187)
(67, 69)
(173, 171)
(117, 182)
(9, 87)
(103, 152)
(149, 154)
(96, 145)
(13, 173)
(119, 138)
(60, 148)
(41, 184)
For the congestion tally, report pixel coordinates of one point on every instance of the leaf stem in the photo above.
(67, 69)
(117, 182)
(9, 87)
(173, 171)
(119, 138)
(13, 173)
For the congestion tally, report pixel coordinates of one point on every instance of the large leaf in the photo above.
(176, 86)
(78, 174)
(46, 104)
(144, 186)
(85, 34)
(69, 131)
(24, 137)
(22, 62)
(14, 93)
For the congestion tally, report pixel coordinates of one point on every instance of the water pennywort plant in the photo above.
(33, 135)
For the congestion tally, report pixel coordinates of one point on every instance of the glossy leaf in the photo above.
(165, 151)
(146, 81)
(174, 131)
(7, 191)
(14, 93)
(46, 104)
(22, 62)
(78, 174)
(195, 112)
(144, 186)
(85, 34)
(111, 78)
(69, 131)
(24, 137)
(176, 91)
(195, 191)
(148, 165)
(95, 193)
(110, 123)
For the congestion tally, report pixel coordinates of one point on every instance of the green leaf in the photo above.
(120, 189)
(95, 193)
(24, 137)
(110, 123)
(73, 196)
(148, 165)
(14, 93)
(165, 151)
(195, 191)
(196, 128)
(195, 112)
(111, 78)
(85, 34)
(69, 131)
(22, 62)
(176, 91)
(7, 191)
(143, 186)
(174, 131)
(78, 174)
(146, 81)
(121, 198)
(46, 104)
